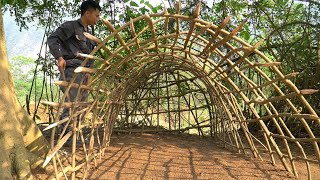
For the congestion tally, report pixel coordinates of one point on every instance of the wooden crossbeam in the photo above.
(67, 104)
(260, 100)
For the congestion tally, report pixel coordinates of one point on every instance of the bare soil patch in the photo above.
(156, 156)
(181, 156)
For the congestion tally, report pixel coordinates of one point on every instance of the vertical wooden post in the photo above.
(179, 97)
(168, 101)
(74, 148)
(158, 103)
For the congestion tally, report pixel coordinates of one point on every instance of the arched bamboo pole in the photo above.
(178, 64)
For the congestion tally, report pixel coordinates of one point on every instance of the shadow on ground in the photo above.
(155, 156)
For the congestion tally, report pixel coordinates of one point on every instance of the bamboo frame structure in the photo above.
(178, 78)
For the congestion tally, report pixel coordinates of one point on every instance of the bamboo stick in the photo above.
(196, 60)
(277, 98)
(218, 30)
(298, 116)
(66, 104)
(73, 85)
(270, 82)
(84, 70)
(53, 151)
(296, 139)
(92, 57)
(112, 29)
(153, 33)
(98, 41)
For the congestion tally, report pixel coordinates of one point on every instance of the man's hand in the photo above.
(61, 64)
(87, 79)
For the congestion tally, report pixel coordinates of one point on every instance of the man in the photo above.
(67, 41)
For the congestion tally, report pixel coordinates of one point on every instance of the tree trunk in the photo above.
(22, 145)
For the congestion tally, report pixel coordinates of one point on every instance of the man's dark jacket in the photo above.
(68, 40)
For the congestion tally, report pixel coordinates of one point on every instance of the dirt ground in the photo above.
(174, 156)
(168, 156)
(154, 156)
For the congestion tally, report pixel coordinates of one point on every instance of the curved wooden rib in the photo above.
(202, 60)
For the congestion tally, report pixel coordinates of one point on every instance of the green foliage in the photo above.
(30, 77)
(22, 69)
(245, 33)
(132, 3)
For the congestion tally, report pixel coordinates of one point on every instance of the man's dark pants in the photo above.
(72, 94)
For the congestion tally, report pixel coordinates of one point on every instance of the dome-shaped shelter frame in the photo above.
(214, 59)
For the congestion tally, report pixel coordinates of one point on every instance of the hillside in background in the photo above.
(22, 43)
(23, 48)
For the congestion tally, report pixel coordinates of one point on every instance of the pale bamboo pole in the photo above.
(231, 102)
(224, 40)
(299, 94)
(192, 25)
(178, 5)
(229, 116)
(189, 104)
(88, 152)
(216, 34)
(134, 34)
(263, 127)
(179, 108)
(279, 129)
(153, 33)
(166, 24)
(244, 127)
(112, 29)
(158, 104)
(98, 41)
(290, 134)
(268, 83)
(216, 73)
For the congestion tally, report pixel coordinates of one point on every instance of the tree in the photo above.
(22, 144)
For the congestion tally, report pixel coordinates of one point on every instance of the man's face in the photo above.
(92, 16)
